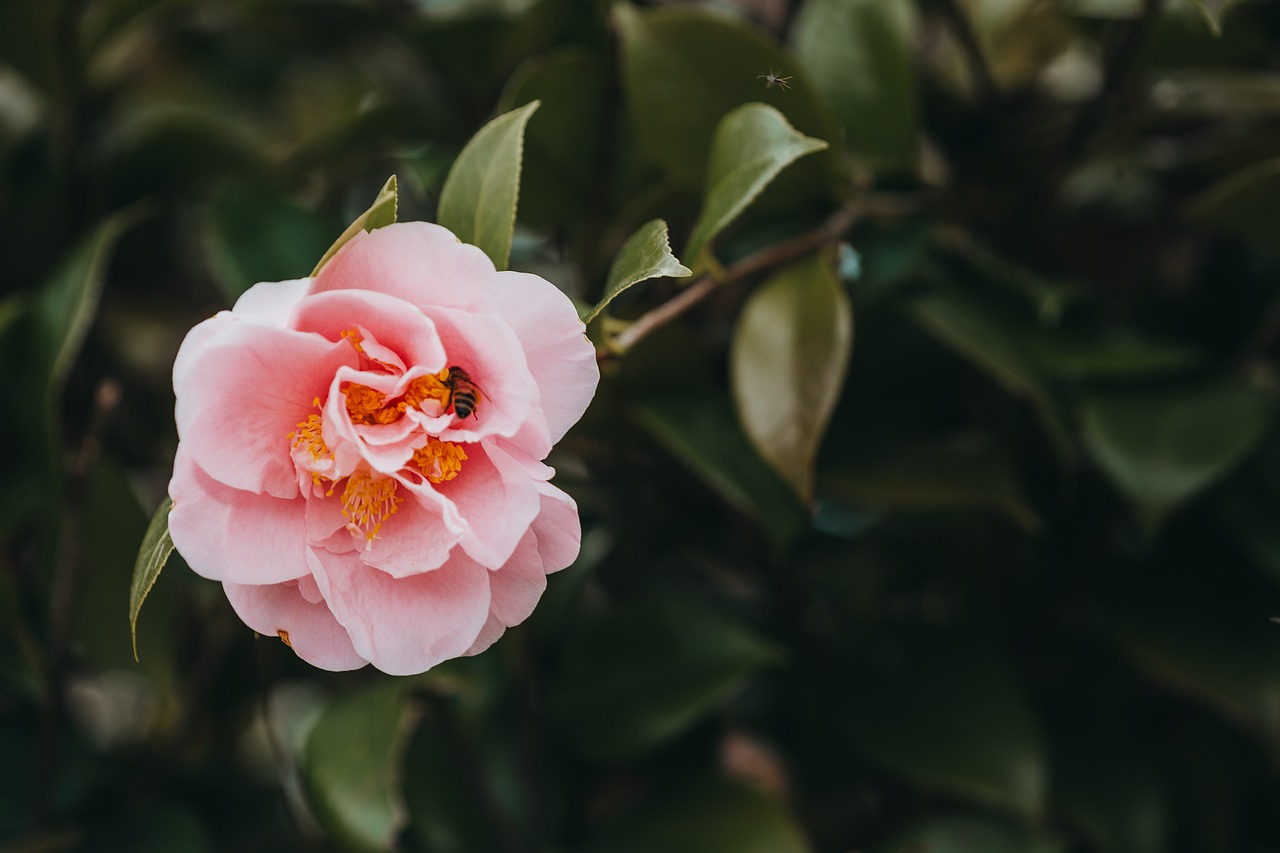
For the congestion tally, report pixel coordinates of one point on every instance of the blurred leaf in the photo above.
(704, 816)
(971, 834)
(478, 201)
(153, 553)
(645, 255)
(969, 473)
(944, 712)
(1161, 446)
(1230, 663)
(1213, 10)
(446, 813)
(678, 88)
(1249, 504)
(1046, 296)
(752, 145)
(860, 54)
(1106, 788)
(561, 148)
(1073, 354)
(703, 433)
(650, 672)
(253, 235)
(993, 339)
(351, 765)
(64, 308)
(381, 212)
(787, 363)
(1246, 204)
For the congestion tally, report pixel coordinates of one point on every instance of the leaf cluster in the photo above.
(994, 574)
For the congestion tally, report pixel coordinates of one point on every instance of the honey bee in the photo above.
(463, 393)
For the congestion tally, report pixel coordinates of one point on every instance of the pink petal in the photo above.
(271, 303)
(561, 359)
(228, 534)
(419, 262)
(496, 498)
(242, 392)
(405, 625)
(515, 590)
(487, 350)
(314, 634)
(393, 323)
(418, 537)
(558, 529)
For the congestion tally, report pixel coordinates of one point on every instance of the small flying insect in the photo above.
(463, 393)
(771, 80)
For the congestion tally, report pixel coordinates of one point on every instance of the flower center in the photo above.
(368, 501)
(368, 406)
(429, 387)
(439, 461)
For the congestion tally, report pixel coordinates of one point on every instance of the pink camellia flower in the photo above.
(359, 457)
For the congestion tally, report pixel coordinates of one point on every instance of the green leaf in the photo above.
(943, 711)
(752, 145)
(994, 340)
(1084, 354)
(65, 307)
(1249, 504)
(478, 201)
(971, 834)
(253, 234)
(860, 54)
(1160, 446)
(678, 89)
(153, 553)
(703, 433)
(645, 255)
(1212, 12)
(650, 672)
(381, 212)
(1229, 660)
(1245, 203)
(351, 765)
(958, 474)
(704, 816)
(787, 364)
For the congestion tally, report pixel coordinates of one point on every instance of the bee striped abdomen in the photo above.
(463, 393)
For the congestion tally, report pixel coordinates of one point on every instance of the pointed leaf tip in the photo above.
(381, 212)
(645, 255)
(480, 195)
(154, 552)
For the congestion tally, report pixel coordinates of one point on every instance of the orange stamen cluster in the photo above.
(429, 387)
(368, 406)
(353, 337)
(310, 437)
(368, 501)
(439, 461)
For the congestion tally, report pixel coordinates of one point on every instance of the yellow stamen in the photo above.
(439, 461)
(429, 387)
(368, 406)
(284, 636)
(368, 501)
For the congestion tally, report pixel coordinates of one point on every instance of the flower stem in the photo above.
(772, 256)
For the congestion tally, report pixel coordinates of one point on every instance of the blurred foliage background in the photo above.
(1000, 581)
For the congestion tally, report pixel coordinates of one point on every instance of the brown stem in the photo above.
(835, 227)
